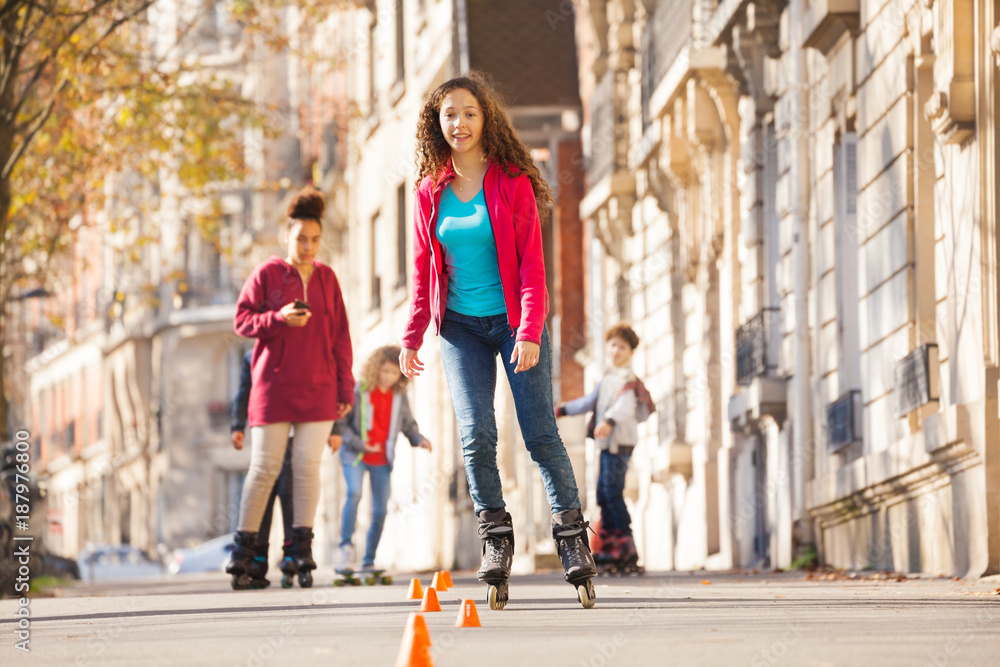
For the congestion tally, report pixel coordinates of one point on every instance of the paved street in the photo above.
(756, 620)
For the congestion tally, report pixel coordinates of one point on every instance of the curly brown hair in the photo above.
(625, 332)
(308, 204)
(369, 372)
(500, 141)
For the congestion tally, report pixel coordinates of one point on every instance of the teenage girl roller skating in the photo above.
(479, 276)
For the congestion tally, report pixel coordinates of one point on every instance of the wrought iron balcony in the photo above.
(916, 379)
(752, 341)
(843, 421)
(666, 33)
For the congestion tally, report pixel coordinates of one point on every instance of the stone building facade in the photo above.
(796, 207)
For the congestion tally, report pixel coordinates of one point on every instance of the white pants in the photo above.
(267, 453)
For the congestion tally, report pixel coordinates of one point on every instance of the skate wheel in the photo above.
(386, 580)
(240, 582)
(586, 595)
(370, 581)
(306, 579)
(497, 596)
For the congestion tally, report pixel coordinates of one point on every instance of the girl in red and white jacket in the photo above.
(479, 276)
(301, 369)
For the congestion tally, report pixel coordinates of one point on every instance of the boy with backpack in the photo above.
(618, 404)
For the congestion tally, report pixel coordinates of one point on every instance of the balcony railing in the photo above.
(752, 345)
(843, 421)
(916, 379)
(665, 35)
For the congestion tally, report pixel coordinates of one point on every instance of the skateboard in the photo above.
(366, 577)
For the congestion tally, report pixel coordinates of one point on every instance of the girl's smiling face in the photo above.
(388, 375)
(462, 121)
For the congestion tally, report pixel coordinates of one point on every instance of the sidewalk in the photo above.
(663, 618)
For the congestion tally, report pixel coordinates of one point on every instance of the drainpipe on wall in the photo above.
(802, 446)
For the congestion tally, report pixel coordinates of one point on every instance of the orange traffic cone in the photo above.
(415, 651)
(430, 601)
(447, 578)
(416, 590)
(438, 582)
(467, 615)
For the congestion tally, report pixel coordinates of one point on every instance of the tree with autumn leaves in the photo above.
(95, 93)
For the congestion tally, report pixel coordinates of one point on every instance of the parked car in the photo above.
(105, 561)
(208, 556)
(57, 566)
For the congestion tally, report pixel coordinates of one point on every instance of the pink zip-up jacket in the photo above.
(510, 203)
(299, 374)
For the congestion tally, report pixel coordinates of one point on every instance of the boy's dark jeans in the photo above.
(611, 489)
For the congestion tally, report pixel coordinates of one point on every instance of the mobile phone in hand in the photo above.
(301, 305)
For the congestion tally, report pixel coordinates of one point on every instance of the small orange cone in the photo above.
(438, 582)
(467, 615)
(415, 651)
(430, 601)
(416, 590)
(447, 578)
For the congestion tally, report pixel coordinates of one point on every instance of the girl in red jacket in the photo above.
(301, 369)
(480, 278)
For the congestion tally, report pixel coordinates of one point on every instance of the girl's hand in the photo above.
(426, 444)
(602, 430)
(295, 317)
(335, 441)
(409, 363)
(343, 409)
(525, 354)
(237, 439)
(372, 449)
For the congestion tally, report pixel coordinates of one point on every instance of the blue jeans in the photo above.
(469, 347)
(611, 491)
(354, 475)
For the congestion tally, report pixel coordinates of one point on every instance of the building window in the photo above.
(401, 236)
(400, 50)
(374, 278)
(372, 27)
(845, 183)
